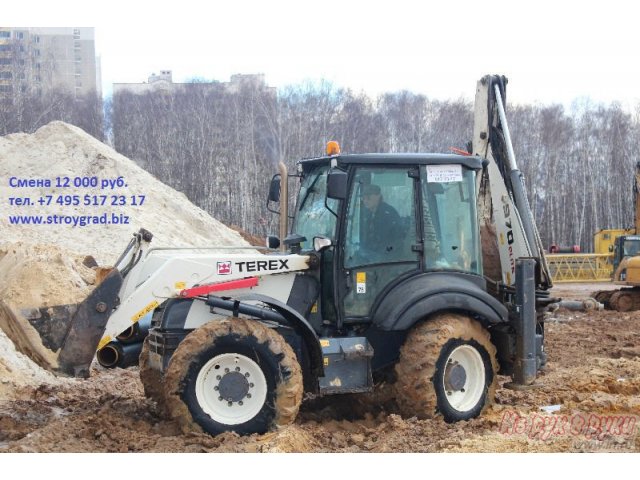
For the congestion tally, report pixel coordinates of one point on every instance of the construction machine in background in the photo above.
(382, 274)
(626, 263)
(605, 238)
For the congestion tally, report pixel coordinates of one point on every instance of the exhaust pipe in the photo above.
(116, 354)
(284, 204)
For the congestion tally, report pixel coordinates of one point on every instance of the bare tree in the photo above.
(221, 147)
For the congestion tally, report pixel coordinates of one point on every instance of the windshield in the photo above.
(312, 217)
(631, 247)
(450, 222)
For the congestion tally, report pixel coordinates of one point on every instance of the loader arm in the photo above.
(65, 338)
(172, 273)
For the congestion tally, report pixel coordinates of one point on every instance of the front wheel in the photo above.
(233, 375)
(447, 366)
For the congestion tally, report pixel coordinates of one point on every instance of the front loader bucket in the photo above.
(63, 338)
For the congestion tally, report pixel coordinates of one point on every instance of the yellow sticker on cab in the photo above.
(324, 342)
(326, 361)
(144, 311)
(181, 285)
(361, 277)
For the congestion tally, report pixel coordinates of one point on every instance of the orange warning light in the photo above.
(333, 148)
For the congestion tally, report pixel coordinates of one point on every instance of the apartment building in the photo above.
(36, 60)
(163, 82)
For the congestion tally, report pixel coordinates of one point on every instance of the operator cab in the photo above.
(626, 246)
(393, 216)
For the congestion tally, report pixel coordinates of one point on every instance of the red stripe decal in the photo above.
(219, 287)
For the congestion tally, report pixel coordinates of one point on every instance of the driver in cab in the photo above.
(381, 223)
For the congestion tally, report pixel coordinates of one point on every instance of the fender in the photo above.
(176, 312)
(420, 296)
(301, 325)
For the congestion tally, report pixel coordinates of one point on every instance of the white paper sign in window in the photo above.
(444, 173)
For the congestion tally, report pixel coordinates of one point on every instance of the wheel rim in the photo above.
(231, 388)
(464, 378)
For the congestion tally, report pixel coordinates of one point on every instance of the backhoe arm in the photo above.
(503, 203)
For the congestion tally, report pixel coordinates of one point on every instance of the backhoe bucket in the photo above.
(63, 338)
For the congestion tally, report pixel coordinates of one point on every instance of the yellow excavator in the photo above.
(626, 264)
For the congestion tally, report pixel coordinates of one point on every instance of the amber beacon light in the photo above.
(333, 148)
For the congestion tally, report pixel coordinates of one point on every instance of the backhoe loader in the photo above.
(381, 273)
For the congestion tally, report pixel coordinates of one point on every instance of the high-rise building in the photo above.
(36, 60)
(163, 82)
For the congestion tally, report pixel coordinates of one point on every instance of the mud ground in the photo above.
(588, 399)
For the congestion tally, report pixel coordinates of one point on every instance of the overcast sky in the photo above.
(551, 51)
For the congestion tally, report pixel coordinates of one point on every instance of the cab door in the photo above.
(380, 237)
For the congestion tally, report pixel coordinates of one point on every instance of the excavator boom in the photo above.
(503, 203)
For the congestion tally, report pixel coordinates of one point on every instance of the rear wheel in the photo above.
(233, 375)
(448, 367)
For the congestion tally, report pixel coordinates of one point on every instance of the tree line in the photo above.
(220, 146)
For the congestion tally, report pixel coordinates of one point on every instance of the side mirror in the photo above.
(611, 248)
(321, 243)
(337, 184)
(274, 189)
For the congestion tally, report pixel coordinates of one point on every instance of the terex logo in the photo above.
(509, 225)
(224, 268)
(263, 266)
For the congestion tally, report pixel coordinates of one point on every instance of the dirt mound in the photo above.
(36, 276)
(53, 264)
(19, 375)
(62, 151)
(43, 275)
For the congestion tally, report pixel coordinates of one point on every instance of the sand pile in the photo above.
(18, 371)
(43, 275)
(62, 151)
(48, 264)
(35, 275)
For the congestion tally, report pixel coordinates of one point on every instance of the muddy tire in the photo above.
(233, 375)
(447, 367)
(152, 380)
